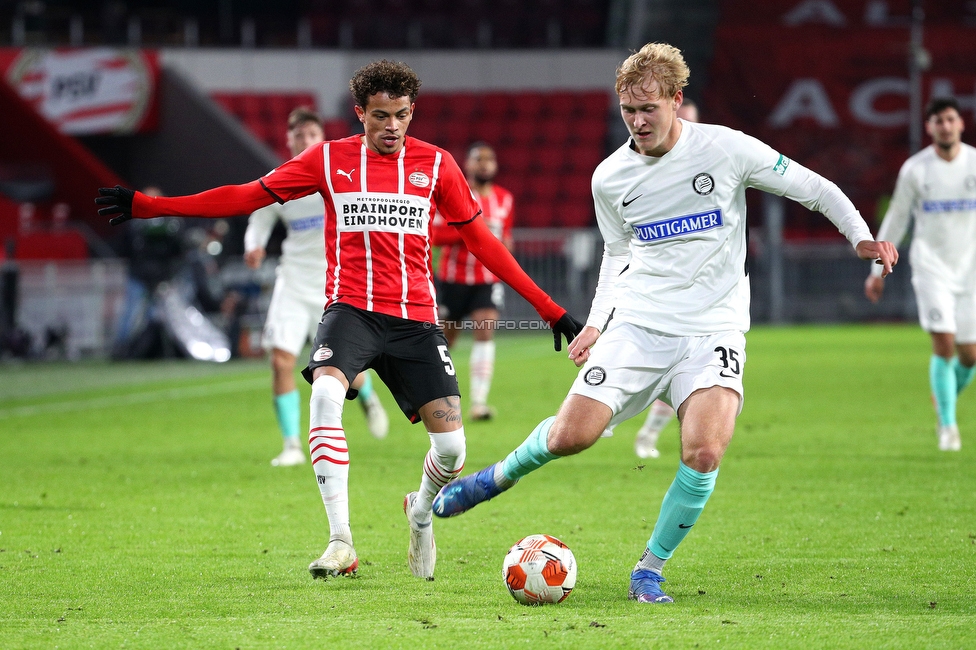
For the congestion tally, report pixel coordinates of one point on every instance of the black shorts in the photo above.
(459, 300)
(410, 357)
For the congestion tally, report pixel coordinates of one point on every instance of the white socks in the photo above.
(330, 453)
(444, 461)
(482, 370)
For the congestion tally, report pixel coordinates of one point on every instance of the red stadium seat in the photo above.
(528, 105)
(495, 106)
(519, 160)
(494, 132)
(534, 215)
(594, 104)
(462, 106)
(573, 214)
(524, 132)
(576, 186)
(544, 187)
(336, 129)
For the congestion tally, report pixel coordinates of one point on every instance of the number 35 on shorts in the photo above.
(729, 359)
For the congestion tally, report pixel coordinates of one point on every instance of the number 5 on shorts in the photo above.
(446, 358)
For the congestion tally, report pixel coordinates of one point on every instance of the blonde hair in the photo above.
(659, 61)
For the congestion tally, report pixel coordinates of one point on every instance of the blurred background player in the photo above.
(466, 289)
(660, 413)
(298, 299)
(938, 186)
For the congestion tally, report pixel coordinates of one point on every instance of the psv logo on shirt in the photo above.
(382, 212)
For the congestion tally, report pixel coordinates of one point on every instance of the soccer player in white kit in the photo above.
(938, 187)
(297, 301)
(670, 204)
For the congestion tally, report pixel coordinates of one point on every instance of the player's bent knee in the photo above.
(703, 459)
(282, 362)
(567, 437)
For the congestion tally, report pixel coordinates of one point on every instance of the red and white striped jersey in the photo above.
(457, 264)
(378, 210)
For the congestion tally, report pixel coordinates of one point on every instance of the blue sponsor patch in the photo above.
(678, 226)
(308, 223)
(956, 205)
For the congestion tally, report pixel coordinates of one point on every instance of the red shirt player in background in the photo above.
(380, 189)
(466, 289)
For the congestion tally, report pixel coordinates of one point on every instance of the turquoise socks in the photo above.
(366, 390)
(964, 375)
(531, 454)
(680, 509)
(942, 377)
(289, 411)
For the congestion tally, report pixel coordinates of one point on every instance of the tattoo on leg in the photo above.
(448, 409)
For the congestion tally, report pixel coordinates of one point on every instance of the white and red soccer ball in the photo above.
(539, 569)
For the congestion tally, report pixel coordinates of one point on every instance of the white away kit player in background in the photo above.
(670, 204)
(938, 187)
(298, 299)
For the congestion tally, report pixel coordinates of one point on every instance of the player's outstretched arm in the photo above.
(496, 258)
(123, 204)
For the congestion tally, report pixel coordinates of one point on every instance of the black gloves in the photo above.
(566, 326)
(118, 201)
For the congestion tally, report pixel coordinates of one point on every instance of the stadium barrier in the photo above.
(70, 307)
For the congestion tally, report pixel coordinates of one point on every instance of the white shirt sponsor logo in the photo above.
(382, 212)
(678, 226)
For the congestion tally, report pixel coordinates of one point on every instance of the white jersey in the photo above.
(679, 224)
(302, 268)
(942, 197)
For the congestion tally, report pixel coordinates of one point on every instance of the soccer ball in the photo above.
(539, 569)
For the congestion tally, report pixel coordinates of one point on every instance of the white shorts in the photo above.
(631, 366)
(941, 310)
(292, 319)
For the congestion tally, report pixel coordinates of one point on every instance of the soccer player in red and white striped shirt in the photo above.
(467, 289)
(380, 189)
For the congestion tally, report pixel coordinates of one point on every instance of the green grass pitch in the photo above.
(138, 509)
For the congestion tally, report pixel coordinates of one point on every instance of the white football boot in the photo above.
(376, 418)
(422, 551)
(949, 439)
(645, 444)
(339, 559)
(289, 457)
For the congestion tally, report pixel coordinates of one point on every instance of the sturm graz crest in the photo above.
(703, 184)
(595, 376)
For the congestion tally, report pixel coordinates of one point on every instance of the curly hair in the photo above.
(392, 77)
(660, 61)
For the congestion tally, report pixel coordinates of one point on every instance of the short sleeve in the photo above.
(300, 176)
(452, 196)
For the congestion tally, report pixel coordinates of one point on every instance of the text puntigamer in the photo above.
(678, 226)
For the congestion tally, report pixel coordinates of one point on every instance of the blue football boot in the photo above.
(460, 495)
(645, 587)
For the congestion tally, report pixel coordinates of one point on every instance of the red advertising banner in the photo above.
(834, 98)
(87, 91)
